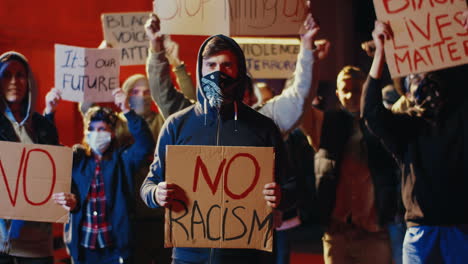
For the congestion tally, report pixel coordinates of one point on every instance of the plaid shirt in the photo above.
(96, 229)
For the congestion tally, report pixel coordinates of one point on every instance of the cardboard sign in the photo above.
(30, 174)
(428, 34)
(231, 17)
(270, 58)
(126, 31)
(86, 75)
(220, 202)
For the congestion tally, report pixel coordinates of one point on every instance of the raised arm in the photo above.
(287, 109)
(393, 130)
(143, 144)
(163, 91)
(182, 76)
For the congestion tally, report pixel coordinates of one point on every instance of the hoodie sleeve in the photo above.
(144, 142)
(286, 180)
(394, 130)
(185, 82)
(163, 92)
(157, 170)
(286, 109)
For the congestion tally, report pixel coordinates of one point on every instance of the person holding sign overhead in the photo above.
(430, 145)
(286, 109)
(219, 118)
(99, 228)
(23, 241)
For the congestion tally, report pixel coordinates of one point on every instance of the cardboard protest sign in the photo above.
(86, 75)
(270, 58)
(231, 17)
(30, 174)
(428, 35)
(220, 202)
(126, 31)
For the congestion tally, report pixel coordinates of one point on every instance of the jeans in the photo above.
(397, 235)
(436, 244)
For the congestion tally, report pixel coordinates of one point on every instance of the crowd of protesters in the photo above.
(390, 170)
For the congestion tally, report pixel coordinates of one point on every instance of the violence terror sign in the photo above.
(86, 74)
(428, 34)
(219, 201)
(126, 32)
(270, 58)
(231, 17)
(30, 174)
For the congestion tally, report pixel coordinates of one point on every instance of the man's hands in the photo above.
(172, 51)
(272, 194)
(165, 193)
(121, 100)
(322, 48)
(465, 19)
(311, 30)
(66, 200)
(381, 33)
(152, 27)
(52, 99)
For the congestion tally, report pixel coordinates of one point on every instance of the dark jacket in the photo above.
(35, 238)
(117, 167)
(433, 157)
(195, 126)
(336, 131)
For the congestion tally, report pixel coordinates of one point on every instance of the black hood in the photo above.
(29, 100)
(243, 78)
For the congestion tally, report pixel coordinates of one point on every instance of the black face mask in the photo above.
(219, 88)
(429, 97)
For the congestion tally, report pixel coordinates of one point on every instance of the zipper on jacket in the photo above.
(217, 128)
(211, 256)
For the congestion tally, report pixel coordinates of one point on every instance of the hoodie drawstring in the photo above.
(235, 116)
(205, 110)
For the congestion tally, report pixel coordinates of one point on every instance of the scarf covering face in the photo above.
(428, 98)
(219, 88)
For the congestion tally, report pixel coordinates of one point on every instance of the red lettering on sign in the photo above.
(199, 165)
(24, 161)
(395, 8)
(406, 57)
(13, 198)
(254, 181)
(213, 185)
(26, 174)
(458, 17)
(441, 26)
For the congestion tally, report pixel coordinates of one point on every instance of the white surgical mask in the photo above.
(140, 104)
(99, 141)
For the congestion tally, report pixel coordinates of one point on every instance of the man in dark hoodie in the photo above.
(23, 242)
(219, 118)
(431, 146)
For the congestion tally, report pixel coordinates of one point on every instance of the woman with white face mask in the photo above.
(99, 228)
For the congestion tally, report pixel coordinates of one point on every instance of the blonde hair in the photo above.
(351, 72)
(130, 82)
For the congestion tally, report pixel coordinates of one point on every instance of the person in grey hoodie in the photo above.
(23, 242)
